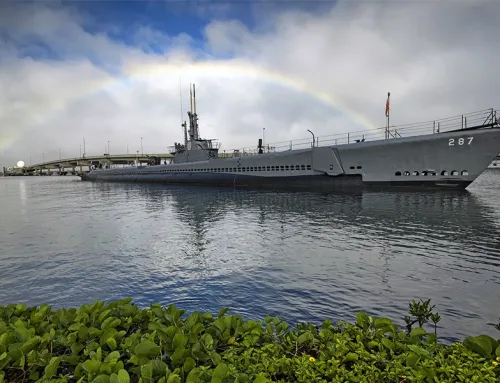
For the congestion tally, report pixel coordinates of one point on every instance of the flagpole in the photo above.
(387, 114)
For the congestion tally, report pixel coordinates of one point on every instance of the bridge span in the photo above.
(78, 165)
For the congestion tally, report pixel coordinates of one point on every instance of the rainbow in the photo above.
(160, 72)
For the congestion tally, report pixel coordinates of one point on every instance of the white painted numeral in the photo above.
(461, 141)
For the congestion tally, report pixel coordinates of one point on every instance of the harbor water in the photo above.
(300, 256)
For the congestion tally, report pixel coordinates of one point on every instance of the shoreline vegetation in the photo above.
(121, 343)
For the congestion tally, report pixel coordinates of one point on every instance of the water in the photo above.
(301, 256)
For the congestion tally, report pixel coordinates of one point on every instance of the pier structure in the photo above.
(77, 165)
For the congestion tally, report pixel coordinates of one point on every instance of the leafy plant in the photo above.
(120, 343)
(422, 311)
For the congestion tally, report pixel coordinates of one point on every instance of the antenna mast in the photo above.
(183, 124)
(195, 117)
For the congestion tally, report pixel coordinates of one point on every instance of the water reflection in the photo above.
(379, 216)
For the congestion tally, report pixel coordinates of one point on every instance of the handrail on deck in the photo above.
(482, 118)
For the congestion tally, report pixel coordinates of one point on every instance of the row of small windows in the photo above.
(432, 173)
(236, 170)
(355, 167)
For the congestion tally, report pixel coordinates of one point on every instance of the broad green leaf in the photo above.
(147, 348)
(91, 366)
(179, 341)
(111, 342)
(418, 331)
(479, 344)
(261, 379)
(350, 357)
(222, 312)
(189, 364)
(362, 320)
(30, 344)
(419, 350)
(101, 379)
(112, 355)
(193, 376)
(412, 359)
(159, 366)
(123, 376)
(431, 338)
(147, 372)
(208, 341)
(220, 371)
(216, 358)
(387, 343)
(305, 337)
(51, 368)
(381, 322)
(173, 378)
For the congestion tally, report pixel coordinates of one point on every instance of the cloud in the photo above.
(286, 71)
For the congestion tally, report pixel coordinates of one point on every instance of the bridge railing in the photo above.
(129, 157)
(486, 117)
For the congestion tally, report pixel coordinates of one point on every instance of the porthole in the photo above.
(444, 173)
(351, 167)
(398, 173)
(308, 167)
(415, 173)
(454, 173)
(303, 167)
(465, 173)
(425, 173)
(406, 173)
(359, 167)
(297, 167)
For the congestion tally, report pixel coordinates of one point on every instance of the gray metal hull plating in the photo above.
(445, 160)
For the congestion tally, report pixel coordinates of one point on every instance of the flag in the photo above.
(387, 105)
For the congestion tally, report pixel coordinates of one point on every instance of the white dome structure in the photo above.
(20, 164)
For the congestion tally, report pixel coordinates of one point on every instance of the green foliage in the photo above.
(120, 343)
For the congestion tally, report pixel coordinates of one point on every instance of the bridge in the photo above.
(77, 165)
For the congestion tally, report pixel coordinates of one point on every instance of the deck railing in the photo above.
(487, 117)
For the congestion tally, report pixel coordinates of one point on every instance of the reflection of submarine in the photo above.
(384, 214)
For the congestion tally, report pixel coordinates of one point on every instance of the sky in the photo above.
(115, 71)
